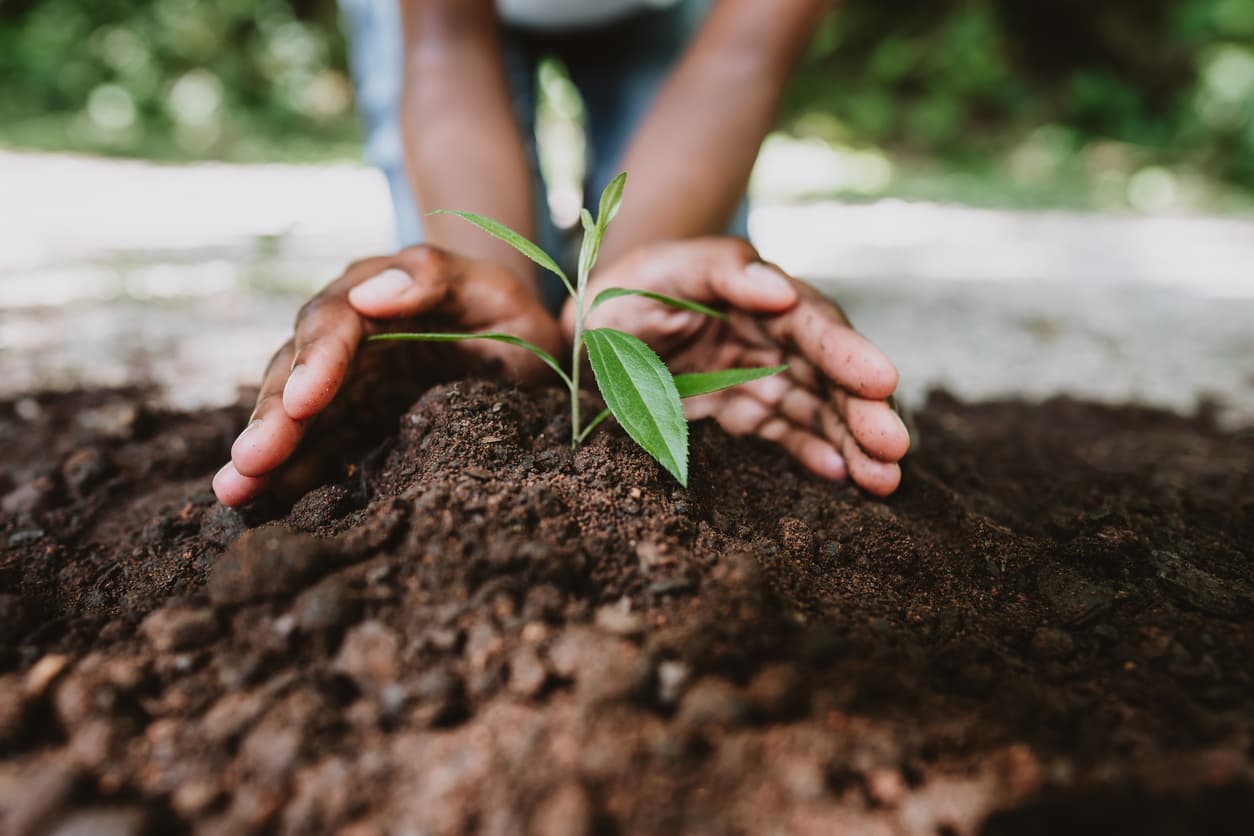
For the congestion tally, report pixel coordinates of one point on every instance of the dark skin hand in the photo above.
(830, 409)
(326, 371)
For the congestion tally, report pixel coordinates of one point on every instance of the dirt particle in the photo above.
(29, 496)
(778, 691)
(483, 643)
(43, 673)
(566, 811)
(603, 668)
(797, 538)
(712, 701)
(1052, 643)
(233, 713)
(173, 628)
(1073, 598)
(527, 673)
(672, 678)
(617, 618)
(31, 804)
(220, 525)
(886, 786)
(102, 821)
(369, 656)
(85, 468)
(12, 707)
(266, 563)
(328, 605)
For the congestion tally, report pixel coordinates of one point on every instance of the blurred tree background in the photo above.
(1092, 103)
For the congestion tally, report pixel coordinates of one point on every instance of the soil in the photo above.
(1049, 628)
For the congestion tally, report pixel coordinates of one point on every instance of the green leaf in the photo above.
(441, 337)
(615, 292)
(703, 383)
(611, 200)
(509, 236)
(588, 252)
(585, 218)
(640, 392)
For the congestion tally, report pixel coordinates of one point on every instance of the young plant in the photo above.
(638, 389)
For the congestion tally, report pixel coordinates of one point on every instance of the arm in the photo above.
(702, 135)
(462, 145)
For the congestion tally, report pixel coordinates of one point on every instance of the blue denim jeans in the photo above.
(618, 70)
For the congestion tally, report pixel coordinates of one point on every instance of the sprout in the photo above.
(639, 391)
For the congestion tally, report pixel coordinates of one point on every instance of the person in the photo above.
(680, 94)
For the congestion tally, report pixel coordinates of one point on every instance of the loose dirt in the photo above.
(1048, 629)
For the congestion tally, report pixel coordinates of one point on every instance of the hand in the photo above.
(373, 385)
(830, 409)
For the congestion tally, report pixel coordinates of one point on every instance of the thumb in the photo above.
(729, 270)
(415, 282)
(757, 287)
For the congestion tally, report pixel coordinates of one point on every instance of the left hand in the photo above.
(830, 409)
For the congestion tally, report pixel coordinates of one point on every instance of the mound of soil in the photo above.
(1049, 628)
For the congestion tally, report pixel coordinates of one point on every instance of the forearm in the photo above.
(463, 149)
(690, 160)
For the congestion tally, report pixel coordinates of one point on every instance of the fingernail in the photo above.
(769, 280)
(381, 289)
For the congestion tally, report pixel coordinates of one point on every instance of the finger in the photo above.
(802, 409)
(271, 434)
(732, 273)
(876, 427)
(328, 332)
(873, 476)
(819, 331)
(814, 453)
(741, 413)
(757, 287)
(234, 489)
(414, 281)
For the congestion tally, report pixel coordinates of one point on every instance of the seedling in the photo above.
(638, 389)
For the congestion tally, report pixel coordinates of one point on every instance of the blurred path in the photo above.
(190, 276)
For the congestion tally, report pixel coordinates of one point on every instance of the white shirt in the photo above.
(555, 15)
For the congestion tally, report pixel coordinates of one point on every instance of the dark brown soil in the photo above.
(1049, 629)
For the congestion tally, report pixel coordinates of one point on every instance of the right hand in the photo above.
(320, 372)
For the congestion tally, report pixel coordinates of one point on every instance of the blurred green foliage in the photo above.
(1024, 93)
(176, 79)
(1041, 94)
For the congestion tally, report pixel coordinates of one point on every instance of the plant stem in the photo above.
(575, 365)
(593, 424)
